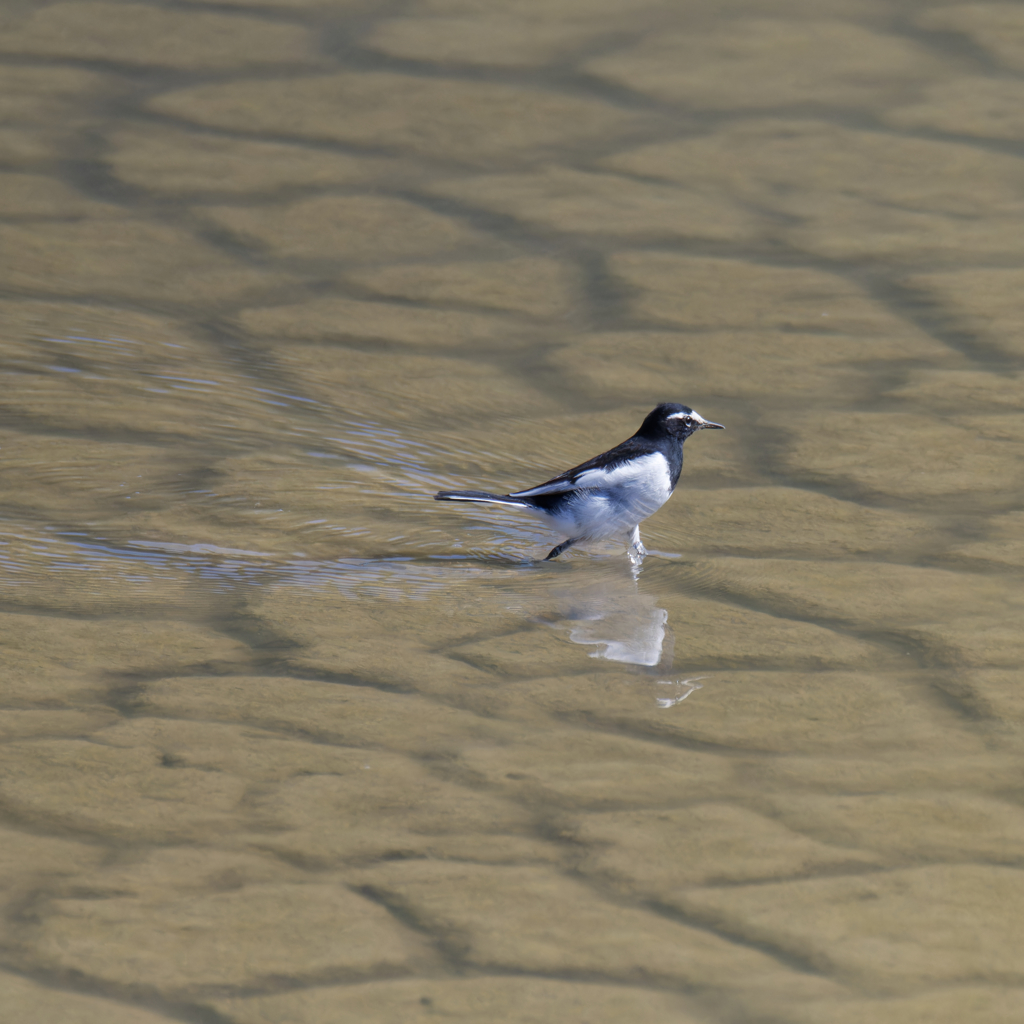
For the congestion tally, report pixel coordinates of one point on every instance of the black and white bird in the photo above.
(612, 493)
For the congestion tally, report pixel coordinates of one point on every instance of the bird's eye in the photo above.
(688, 421)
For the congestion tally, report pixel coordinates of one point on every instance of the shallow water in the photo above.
(283, 740)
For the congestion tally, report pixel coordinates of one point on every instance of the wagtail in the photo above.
(612, 493)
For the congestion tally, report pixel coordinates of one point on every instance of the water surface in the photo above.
(285, 741)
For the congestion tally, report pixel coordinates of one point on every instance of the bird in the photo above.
(612, 493)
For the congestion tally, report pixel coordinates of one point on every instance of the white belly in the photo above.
(612, 502)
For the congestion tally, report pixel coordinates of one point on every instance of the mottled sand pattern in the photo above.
(282, 741)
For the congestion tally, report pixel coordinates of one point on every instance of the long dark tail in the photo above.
(497, 499)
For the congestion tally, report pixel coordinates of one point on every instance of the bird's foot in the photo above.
(558, 549)
(636, 550)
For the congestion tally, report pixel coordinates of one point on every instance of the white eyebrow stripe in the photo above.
(693, 415)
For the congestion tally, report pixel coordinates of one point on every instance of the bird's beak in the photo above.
(708, 425)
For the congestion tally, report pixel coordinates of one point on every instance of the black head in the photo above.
(671, 420)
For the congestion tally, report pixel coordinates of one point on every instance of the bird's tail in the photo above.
(496, 499)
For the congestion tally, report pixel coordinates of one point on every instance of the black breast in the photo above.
(673, 452)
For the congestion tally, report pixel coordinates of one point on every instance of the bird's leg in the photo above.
(564, 546)
(636, 550)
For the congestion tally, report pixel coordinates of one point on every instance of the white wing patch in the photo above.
(558, 487)
(649, 473)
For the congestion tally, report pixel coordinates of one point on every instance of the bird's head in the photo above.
(673, 420)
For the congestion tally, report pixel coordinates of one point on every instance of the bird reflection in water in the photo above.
(686, 687)
(624, 624)
(607, 610)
